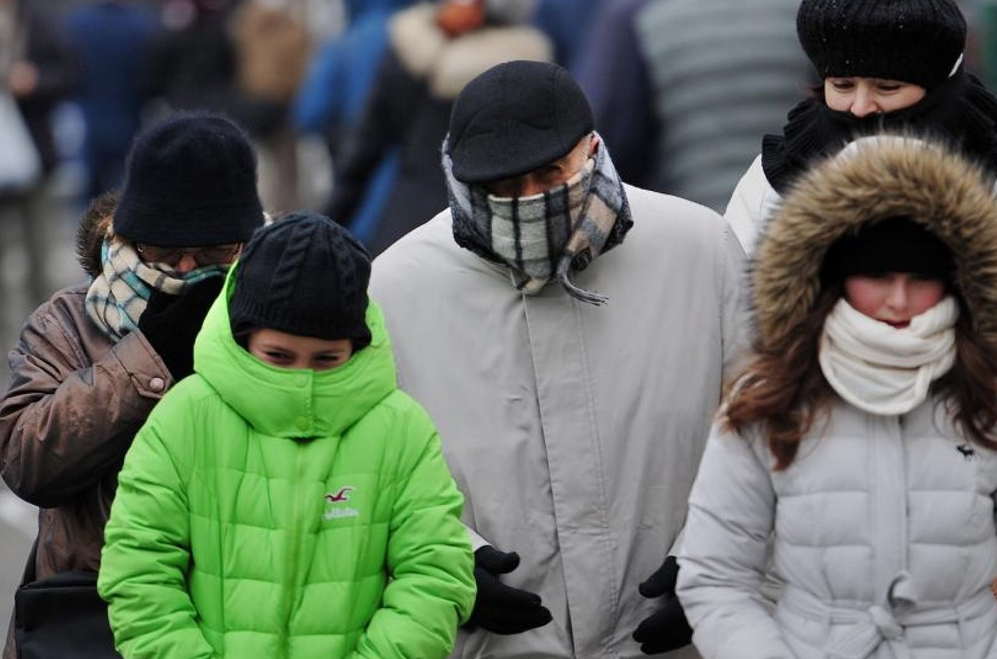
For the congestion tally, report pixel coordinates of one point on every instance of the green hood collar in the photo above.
(293, 403)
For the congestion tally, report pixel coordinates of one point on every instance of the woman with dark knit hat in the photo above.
(858, 449)
(886, 66)
(288, 499)
(93, 360)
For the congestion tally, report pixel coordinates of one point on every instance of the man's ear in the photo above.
(594, 144)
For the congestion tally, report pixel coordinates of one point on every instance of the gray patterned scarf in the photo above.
(118, 296)
(546, 236)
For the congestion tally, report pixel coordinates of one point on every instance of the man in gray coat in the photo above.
(572, 374)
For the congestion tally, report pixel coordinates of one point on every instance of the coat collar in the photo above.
(293, 403)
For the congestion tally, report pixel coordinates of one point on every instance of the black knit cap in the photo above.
(190, 181)
(912, 41)
(895, 244)
(514, 118)
(305, 275)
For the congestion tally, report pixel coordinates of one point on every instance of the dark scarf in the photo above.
(960, 112)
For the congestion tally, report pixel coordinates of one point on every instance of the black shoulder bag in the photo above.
(61, 617)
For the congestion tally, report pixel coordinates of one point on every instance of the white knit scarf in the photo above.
(882, 369)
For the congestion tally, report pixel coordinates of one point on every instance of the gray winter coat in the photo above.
(574, 431)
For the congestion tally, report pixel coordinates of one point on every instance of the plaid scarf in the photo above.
(118, 296)
(547, 236)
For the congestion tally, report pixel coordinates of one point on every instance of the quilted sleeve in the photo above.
(432, 586)
(147, 552)
(724, 554)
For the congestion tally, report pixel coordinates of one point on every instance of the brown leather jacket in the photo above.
(74, 404)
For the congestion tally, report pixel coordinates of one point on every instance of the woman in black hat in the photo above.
(886, 65)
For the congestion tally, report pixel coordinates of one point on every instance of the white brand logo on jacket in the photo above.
(335, 499)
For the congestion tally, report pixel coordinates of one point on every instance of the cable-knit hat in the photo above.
(913, 41)
(305, 275)
(190, 181)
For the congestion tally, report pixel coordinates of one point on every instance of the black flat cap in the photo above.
(514, 118)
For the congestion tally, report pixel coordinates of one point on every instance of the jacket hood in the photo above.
(293, 403)
(874, 179)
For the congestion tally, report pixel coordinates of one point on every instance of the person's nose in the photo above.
(530, 185)
(897, 297)
(186, 263)
(864, 103)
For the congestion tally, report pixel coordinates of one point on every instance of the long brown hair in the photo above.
(784, 390)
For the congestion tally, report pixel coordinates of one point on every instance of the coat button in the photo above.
(157, 384)
(301, 422)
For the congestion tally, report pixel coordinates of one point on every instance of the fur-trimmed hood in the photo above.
(874, 179)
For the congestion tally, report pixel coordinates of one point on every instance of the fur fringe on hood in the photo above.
(874, 179)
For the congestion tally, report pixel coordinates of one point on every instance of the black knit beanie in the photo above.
(190, 181)
(896, 244)
(912, 41)
(305, 275)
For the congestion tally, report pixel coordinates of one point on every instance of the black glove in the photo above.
(499, 608)
(667, 629)
(171, 323)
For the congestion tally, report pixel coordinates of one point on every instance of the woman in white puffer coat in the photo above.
(855, 457)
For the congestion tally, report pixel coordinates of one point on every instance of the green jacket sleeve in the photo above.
(146, 553)
(432, 586)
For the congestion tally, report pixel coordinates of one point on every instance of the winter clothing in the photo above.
(914, 41)
(119, 293)
(274, 512)
(902, 553)
(498, 607)
(174, 196)
(112, 40)
(613, 75)
(171, 323)
(572, 429)
(548, 236)
(567, 23)
(659, 633)
(891, 245)
(311, 283)
(514, 118)
(55, 451)
(957, 109)
(83, 380)
(880, 371)
(718, 74)
(409, 107)
(332, 96)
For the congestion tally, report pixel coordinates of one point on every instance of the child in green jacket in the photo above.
(288, 500)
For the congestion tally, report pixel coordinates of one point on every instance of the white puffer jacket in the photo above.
(882, 528)
(884, 537)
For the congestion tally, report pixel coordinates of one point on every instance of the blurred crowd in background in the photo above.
(347, 100)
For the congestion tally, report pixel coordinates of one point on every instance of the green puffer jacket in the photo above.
(264, 512)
